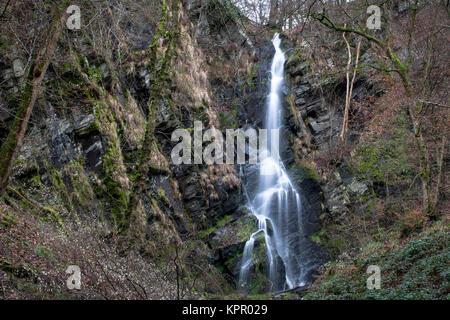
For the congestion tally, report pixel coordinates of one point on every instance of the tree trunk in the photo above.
(440, 163)
(13, 142)
(427, 197)
(273, 13)
(159, 76)
(347, 91)
(402, 70)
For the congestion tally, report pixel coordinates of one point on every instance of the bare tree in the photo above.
(348, 96)
(274, 13)
(413, 89)
(13, 142)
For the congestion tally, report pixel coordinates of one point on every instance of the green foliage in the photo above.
(304, 172)
(297, 52)
(162, 195)
(43, 252)
(8, 219)
(225, 120)
(93, 128)
(59, 186)
(317, 237)
(257, 283)
(221, 223)
(246, 227)
(386, 159)
(419, 270)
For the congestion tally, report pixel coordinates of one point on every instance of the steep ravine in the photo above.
(82, 148)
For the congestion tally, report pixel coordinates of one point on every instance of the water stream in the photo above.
(276, 204)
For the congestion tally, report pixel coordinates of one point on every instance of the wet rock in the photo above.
(83, 124)
(144, 74)
(19, 69)
(166, 120)
(61, 148)
(337, 200)
(57, 128)
(300, 101)
(300, 69)
(357, 187)
(190, 192)
(318, 127)
(104, 71)
(93, 151)
(301, 89)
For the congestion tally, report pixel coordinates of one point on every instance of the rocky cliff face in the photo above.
(101, 134)
(315, 124)
(81, 149)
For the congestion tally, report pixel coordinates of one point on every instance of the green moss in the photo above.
(82, 191)
(246, 227)
(8, 219)
(66, 67)
(113, 166)
(36, 180)
(225, 220)
(386, 160)
(205, 233)
(74, 189)
(304, 172)
(93, 128)
(260, 296)
(59, 186)
(232, 261)
(9, 145)
(258, 283)
(162, 195)
(55, 216)
(117, 197)
(318, 236)
(220, 224)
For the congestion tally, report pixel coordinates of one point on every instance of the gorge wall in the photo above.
(75, 172)
(82, 146)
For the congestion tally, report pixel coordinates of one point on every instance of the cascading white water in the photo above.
(277, 203)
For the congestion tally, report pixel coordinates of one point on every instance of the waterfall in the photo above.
(276, 205)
